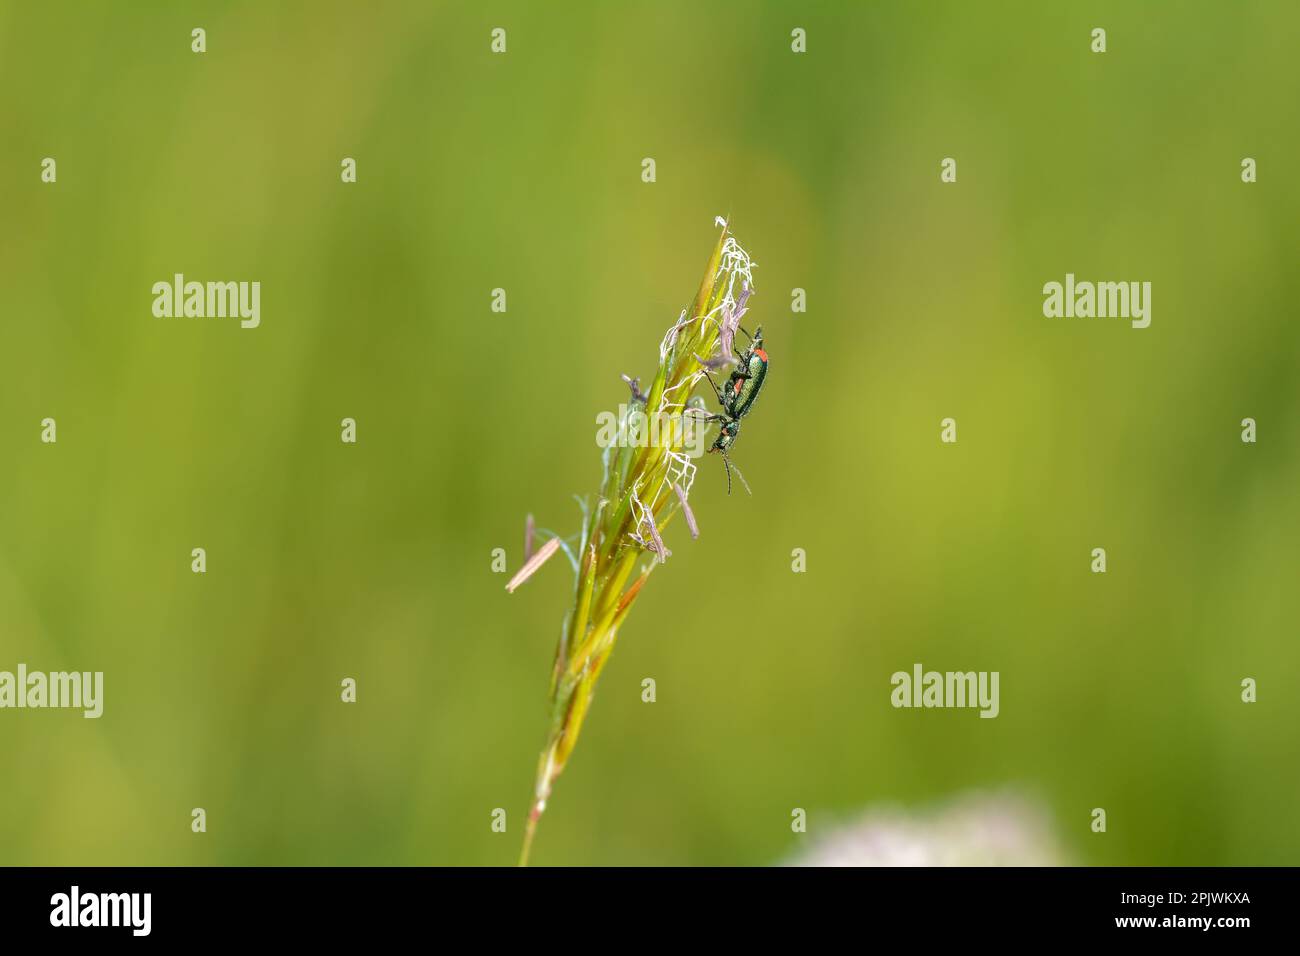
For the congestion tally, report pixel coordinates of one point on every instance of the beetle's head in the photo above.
(726, 435)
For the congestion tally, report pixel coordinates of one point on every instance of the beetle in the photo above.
(738, 396)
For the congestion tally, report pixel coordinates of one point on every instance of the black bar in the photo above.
(332, 906)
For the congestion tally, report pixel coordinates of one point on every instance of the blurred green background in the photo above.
(522, 171)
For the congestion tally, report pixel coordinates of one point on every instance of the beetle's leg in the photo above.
(717, 391)
(705, 418)
(708, 416)
(742, 358)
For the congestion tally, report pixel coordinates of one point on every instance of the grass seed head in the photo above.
(643, 486)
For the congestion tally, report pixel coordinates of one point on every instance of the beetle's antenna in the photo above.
(739, 474)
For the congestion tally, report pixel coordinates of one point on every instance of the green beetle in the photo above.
(738, 396)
